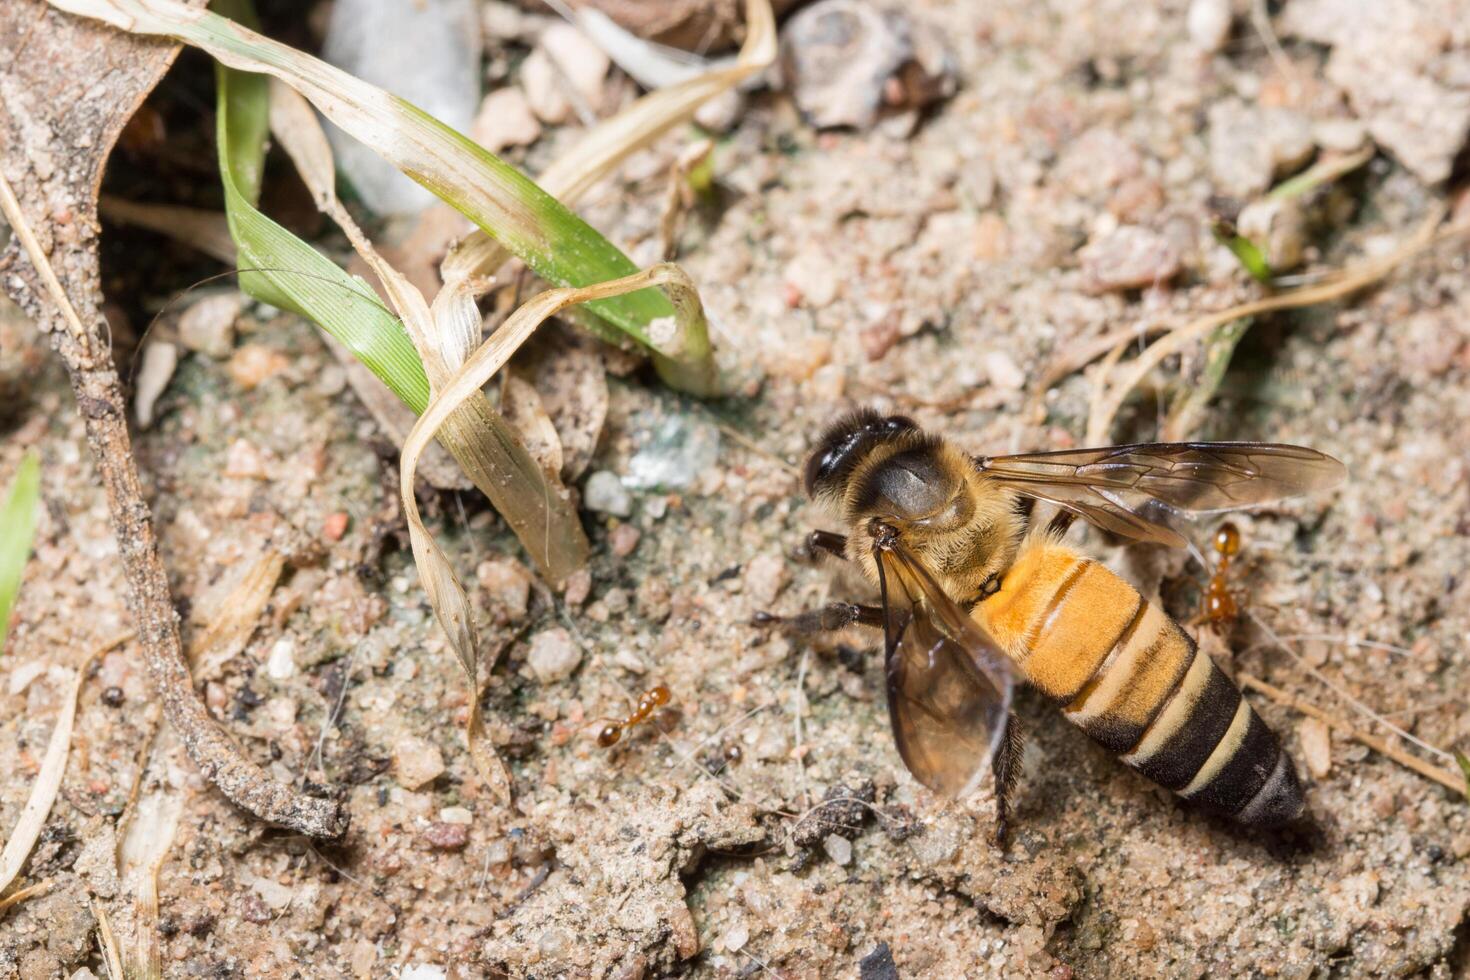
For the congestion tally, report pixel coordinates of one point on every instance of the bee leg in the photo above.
(833, 616)
(828, 541)
(1060, 523)
(1007, 768)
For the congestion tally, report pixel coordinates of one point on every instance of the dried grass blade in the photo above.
(1348, 281)
(446, 594)
(238, 616)
(532, 501)
(48, 782)
(18, 518)
(553, 241)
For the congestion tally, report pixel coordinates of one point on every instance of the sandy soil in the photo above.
(945, 267)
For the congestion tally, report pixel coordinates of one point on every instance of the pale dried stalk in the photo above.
(532, 501)
(1442, 776)
(48, 781)
(30, 891)
(446, 594)
(238, 617)
(1349, 281)
(108, 941)
(611, 142)
(207, 231)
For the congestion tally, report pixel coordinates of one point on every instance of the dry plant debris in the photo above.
(935, 272)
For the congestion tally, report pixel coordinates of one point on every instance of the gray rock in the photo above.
(678, 453)
(1405, 66)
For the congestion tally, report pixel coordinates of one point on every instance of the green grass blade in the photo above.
(295, 276)
(1464, 762)
(17, 529)
(506, 204)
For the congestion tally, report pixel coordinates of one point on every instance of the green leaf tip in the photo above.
(17, 530)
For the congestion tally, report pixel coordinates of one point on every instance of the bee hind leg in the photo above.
(1007, 769)
(833, 616)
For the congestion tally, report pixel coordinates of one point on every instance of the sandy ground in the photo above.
(943, 267)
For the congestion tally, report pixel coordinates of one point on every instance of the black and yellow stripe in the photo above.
(1133, 680)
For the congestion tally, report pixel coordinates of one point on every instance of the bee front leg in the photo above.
(829, 541)
(833, 616)
(1007, 769)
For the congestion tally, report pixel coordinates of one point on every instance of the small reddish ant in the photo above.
(1218, 606)
(652, 699)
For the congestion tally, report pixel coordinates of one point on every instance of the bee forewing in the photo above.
(1140, 490)
(949, 688)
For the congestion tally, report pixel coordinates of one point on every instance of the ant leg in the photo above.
(828, 541)
(1007, 769)
(833, 616)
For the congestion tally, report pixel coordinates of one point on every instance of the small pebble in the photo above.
(604, 492)
(624, 539)
(1130, 258)
(838, 848)
(416, 762)
(507, 583)
(1003, 371)
(281, 662)
(765, 577)
(1208, 23)
(335, 526)
(456, 814)
(243, 460)
(577, 588)
(254, 363)
(441, 836)
(553, 655)
(505, 119)
(736, 937)
(208, 326)
(1316, 746)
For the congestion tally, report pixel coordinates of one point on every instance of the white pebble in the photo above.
(1316, 746)
(1003, 372)
(281, 663)
(735, 937)
(604, 493)
(1208, 23)
(457, 815)
(553, 655)
(839, 849)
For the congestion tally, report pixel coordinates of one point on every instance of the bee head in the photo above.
(845, 444)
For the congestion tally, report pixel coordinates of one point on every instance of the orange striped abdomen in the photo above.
(1125, 673)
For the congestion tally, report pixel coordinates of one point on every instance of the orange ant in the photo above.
(652, 699)
(1218, 606)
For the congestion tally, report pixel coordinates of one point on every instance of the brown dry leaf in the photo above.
(567, 370)
(522, 408)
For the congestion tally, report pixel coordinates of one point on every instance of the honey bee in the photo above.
(976, 598)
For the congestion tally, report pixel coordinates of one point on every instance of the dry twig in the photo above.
(1442, 776)
(104, 408)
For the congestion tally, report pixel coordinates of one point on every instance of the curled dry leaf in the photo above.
(523, 410)
(567, 371)
(530, 499)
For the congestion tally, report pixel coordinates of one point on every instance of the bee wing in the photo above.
(1141, 491)
(949, 687)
